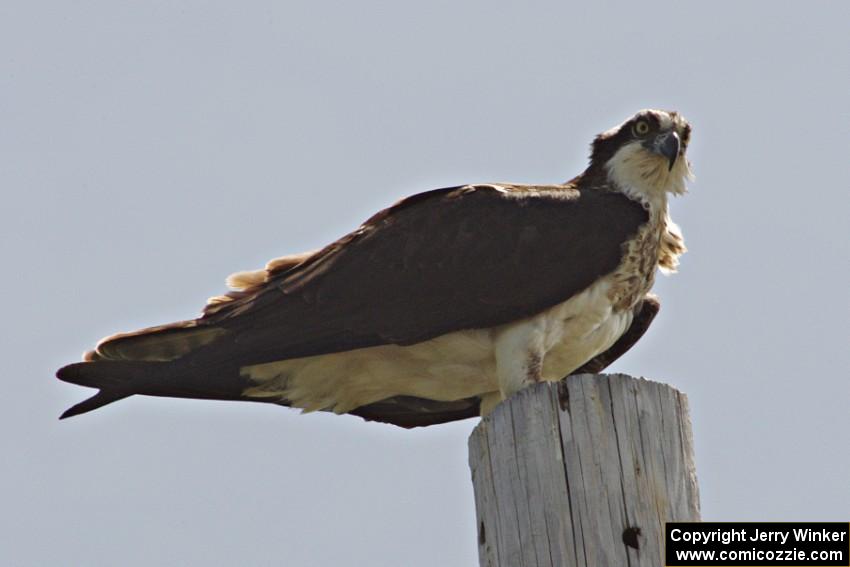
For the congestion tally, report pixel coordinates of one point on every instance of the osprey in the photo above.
(438, 307)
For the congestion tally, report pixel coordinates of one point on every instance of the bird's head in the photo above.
(645, 155)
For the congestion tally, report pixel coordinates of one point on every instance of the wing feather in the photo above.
(437, 262)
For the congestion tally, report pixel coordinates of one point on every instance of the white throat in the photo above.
(645, 176)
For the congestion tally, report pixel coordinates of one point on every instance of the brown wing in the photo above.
(446, 260)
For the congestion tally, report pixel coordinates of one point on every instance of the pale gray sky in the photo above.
(148, 149)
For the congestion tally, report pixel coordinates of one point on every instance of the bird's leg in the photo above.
(519, 356)
(489, 401)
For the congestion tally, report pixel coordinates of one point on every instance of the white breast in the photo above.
(581, 328)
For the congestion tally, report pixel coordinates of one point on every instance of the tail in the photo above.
(116, 380)
(155, 362)
(119, 379)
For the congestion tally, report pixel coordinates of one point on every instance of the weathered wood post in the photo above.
(583, 472)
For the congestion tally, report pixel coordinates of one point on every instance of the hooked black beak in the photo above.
(667, 144)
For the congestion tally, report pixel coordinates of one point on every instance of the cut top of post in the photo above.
(583, 472)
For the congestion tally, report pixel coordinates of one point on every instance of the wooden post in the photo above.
(583, 472)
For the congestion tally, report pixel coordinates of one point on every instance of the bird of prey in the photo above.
(438, 307)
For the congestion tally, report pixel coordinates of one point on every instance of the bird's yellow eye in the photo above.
(641, 128)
